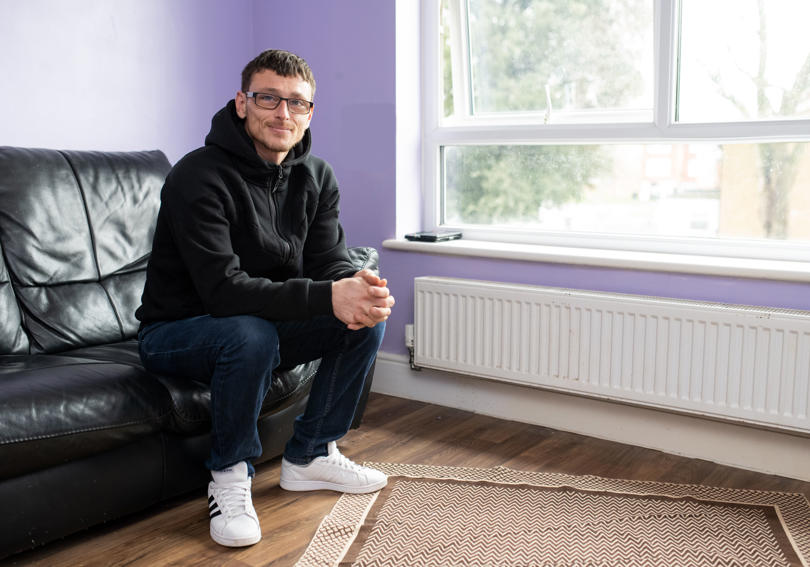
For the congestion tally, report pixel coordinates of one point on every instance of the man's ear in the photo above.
(241, 104)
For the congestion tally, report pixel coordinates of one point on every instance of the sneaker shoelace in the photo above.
(344, 462)
(234, 499)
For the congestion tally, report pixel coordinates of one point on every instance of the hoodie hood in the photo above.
(228, 133)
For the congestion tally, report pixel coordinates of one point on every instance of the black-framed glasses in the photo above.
(271, 102)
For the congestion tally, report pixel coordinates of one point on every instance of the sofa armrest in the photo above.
(365, 257)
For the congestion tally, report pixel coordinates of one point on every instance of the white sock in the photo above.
(234, 473)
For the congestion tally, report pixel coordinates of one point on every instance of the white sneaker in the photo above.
(233, 520)
(333, 472)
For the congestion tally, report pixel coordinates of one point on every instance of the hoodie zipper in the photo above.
(272, 196)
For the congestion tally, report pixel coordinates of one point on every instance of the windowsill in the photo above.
(653, 261)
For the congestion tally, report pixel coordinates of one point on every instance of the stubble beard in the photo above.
(272, 144)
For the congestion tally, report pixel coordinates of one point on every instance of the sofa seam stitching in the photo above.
(82, 430)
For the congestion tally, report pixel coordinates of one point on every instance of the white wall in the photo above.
(725, 443)
(118, 75)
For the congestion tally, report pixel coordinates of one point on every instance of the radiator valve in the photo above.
(409, 342)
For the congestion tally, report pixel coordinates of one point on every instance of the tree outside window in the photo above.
(562, 64)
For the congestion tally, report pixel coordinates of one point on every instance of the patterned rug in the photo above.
(451, 516)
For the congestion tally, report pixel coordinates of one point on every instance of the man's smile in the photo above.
(280, 127)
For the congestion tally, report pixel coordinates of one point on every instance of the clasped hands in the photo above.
(362, 300)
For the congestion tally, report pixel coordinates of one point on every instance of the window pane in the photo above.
(579, 54)
(744, 60)
(695, 189)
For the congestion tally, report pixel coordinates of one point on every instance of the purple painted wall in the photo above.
(122, 75)
(138, 74)
(350, 47)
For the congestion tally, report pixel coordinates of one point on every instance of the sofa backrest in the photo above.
(75, 234)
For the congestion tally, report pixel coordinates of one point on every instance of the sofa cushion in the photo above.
(59, 408)
(76, 229)
(191, 399)
(12, 338)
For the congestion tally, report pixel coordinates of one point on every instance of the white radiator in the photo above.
(732, 362)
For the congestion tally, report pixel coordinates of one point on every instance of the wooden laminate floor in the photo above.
(394, 430)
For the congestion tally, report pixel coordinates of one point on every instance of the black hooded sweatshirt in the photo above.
(237, 235)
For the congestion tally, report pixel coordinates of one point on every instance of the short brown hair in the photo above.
(281, 62)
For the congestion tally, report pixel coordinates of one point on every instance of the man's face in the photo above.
(274, 132)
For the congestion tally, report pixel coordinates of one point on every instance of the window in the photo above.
(666, 125)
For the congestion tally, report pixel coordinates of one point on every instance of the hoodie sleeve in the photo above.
(198, 211)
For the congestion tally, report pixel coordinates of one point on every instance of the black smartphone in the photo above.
(431, 236)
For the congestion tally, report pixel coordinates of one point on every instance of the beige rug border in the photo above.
(339, 528)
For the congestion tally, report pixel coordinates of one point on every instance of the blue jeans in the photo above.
(237, 355)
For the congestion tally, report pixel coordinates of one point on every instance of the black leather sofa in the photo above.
(86, 434)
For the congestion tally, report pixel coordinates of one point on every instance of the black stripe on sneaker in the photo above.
(213, 509)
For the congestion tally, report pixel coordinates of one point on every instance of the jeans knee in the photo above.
(372, 336)
(378, 331)
(253, 338)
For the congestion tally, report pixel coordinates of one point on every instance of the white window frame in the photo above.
(660, 128)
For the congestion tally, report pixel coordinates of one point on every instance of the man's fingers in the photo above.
(368, 276)
(379, 313)
(376, 291)
(371, 278)
(366, 311)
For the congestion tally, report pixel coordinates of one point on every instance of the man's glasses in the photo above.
(271, 102)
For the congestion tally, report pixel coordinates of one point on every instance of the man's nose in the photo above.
(282, 109)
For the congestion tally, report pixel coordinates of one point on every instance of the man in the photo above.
(249, 269)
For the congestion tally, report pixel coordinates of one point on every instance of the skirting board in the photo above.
(741, 446)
